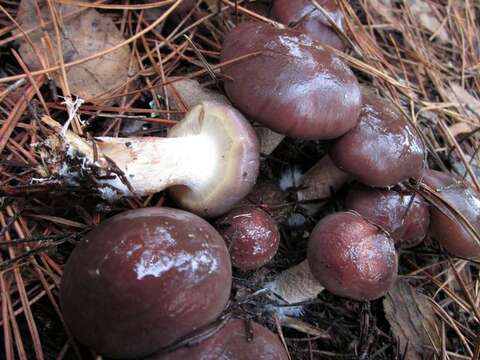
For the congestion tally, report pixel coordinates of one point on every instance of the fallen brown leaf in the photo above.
(81, 35)
(413, 321)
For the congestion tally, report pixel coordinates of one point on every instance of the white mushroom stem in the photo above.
(149, 164)
(296, 284)
(320, 180)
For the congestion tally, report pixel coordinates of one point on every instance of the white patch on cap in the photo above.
(198, 264)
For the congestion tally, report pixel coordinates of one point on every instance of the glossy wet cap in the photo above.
(305, 17)
(232, 342)
(294, 86)
(251, 235)
(404, 215)
(143, 279)
(383, 149)
(233, 159)
(446, 226)
(351, 257)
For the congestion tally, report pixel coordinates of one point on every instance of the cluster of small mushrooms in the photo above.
(146, 279)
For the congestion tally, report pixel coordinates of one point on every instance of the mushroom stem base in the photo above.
(296, 284)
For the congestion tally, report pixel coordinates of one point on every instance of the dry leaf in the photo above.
(81, 35)
(319, 181)
(423, 11)
(460, 128)
(269, 139)
(465, 100)
(413, 320)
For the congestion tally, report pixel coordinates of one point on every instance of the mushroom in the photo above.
(234, 341)
(304, 16)
(348, 256)
(251, 235)
(455, 221)
(289, 83)
(143, 279)
(405, 216)
(383, 149)
(209, 161)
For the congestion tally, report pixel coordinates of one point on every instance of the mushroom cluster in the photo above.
(143, 281)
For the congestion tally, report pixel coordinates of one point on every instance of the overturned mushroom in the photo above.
(208, 162)
(404, 215)
(348, 256)
(251, 235)
(143, 279)
(383, 149)
(234, 341)
(290, 83)
(304, 16)
(455, 223)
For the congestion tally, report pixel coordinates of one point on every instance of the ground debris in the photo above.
(412, 320)
(82, 35)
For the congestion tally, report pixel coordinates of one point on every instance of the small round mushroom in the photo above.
(446, 225)
(143, 279)
(290, 83)
(348, 256)
(383, 149)
(304, 16)
(232, 342)
(405, 216)
(251, 235)
(208, 162)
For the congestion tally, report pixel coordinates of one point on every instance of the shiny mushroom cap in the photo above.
(232, 342)
(251, 235)
(446, 226)
(351, 257)
(143, 279)
(290, 84)
(226, 164)
(304, 16)
(404, 215)
(383, 149)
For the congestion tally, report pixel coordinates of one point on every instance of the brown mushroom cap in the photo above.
(294, 86)
(143, 279)
(351, 257)
(304, 16)
(446, 227)
(251, 235)
(383, 149)
(231, 343)
(404, 215)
